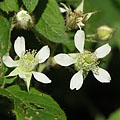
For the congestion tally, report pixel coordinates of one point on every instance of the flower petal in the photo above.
(28, 79)
(8, 61)
(26, 76)
(62, 10)
(80, 7)
(64, 59)
(76, 81)
(102, 76)
(43, 54)
(41, 77)
(15, 72)
(103, 51)
(79, 40)
(19, 46)
(88, 15)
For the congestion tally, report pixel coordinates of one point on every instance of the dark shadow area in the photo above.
(92, 99)
(40, 9)
(6, 112)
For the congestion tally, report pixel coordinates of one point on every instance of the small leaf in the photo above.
(5, 43)
(30, 4)
(115, 115)
(33, 105)
(51, 23)
(9, 5)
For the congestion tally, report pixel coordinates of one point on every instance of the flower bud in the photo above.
(24, 20)
(104, 32)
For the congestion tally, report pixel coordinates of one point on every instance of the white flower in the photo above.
(26, 65)
(24, 19)
(84, 61)
(62, 10)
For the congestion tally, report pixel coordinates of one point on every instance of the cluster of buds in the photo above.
(77, 19)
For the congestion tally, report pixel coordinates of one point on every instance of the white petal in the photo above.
(79, 40)
(28, 80)
(103, 51)
(43, 54)
(15, 72)
(76, 81)
(62, 10)
(19, 14)
(19, 46)
(80, 7)
(22, 75)
(102, 76)
(64, 59)
(26, 76)
(41, 77)
(8, 61)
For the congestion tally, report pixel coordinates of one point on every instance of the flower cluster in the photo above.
(83, 61)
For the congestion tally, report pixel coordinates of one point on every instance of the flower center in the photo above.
(28, 61)
(86, 61)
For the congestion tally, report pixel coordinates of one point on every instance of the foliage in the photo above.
(49, 28)
(33, 105)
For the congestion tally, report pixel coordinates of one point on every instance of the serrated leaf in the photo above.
(51, 23)
(33, 105)
(115, 115)
(5, 43)
(9, 5)
(30, 4)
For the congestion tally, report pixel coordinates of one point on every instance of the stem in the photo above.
(91, 35)
(43, 66)
(91, 40)
(3, 84)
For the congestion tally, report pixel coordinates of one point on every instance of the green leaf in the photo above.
(51, 23)
(33, 105)
(5, 30)
(30, 4)
(9, 5)
(115, 115)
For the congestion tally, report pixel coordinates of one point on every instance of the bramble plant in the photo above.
(38, 37)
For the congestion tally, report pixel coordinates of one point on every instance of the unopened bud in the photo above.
(104, 32)
(24, 20)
